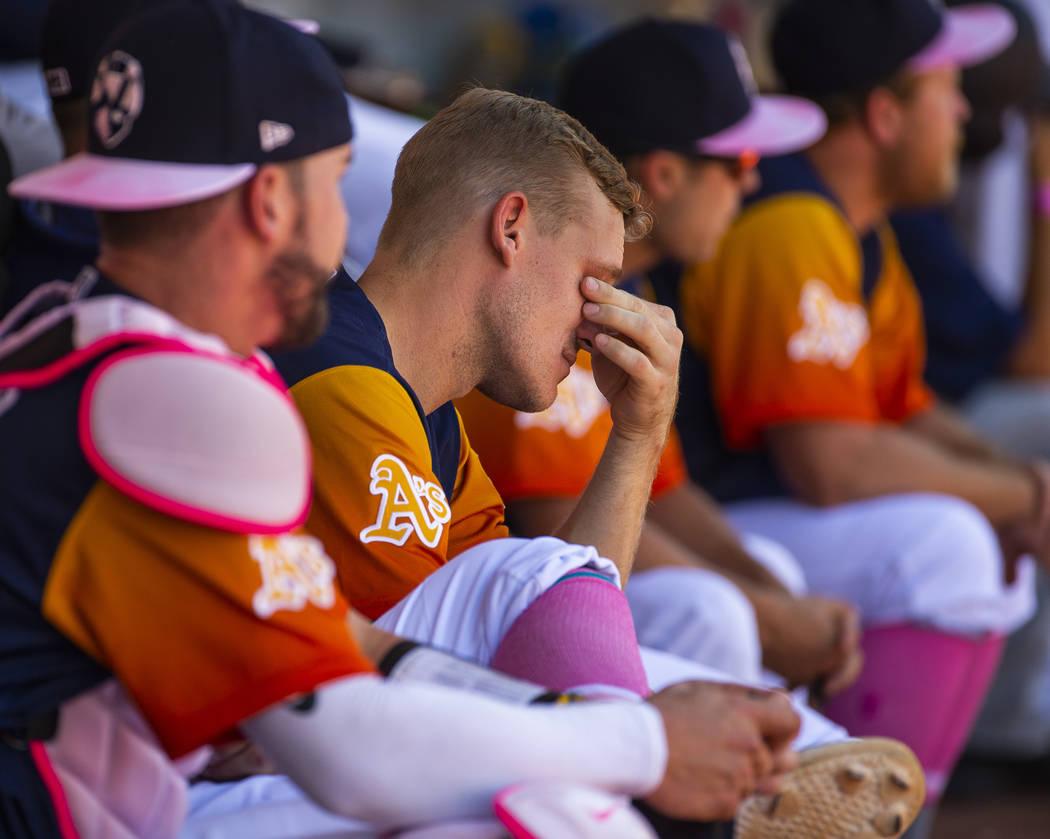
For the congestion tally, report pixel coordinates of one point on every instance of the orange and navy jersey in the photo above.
(553, 453)
(397, 493)
(797, 318)
(195, 623)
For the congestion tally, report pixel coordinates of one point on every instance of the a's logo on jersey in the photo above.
(407, 504)
(832, 332)
(295, 571)
(117, 94)
(578, 405)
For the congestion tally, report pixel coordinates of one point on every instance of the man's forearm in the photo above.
(834, 463)
(944, 427)
(609, 514)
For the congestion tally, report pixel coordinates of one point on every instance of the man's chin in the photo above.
(303, 331)
(528, 401)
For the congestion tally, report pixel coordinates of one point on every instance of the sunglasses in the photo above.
(737, 166)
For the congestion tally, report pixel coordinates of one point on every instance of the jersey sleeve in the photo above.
(780, 318)
(378, 507)
(548, 454)
(478, 514)
(203, 628)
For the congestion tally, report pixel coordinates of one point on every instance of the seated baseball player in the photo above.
(696, 590)
(157, 594)
(806, 412)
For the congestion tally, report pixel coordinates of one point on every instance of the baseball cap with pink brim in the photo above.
(684, 87)
(822, 48)
(969, 35)
(164, 131)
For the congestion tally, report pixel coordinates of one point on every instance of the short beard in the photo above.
(305, 316)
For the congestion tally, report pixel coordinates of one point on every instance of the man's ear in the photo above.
(507, 229)
(883, 116)
(660, 173)
(269, 205)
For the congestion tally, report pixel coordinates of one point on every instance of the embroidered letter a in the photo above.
(407, 505)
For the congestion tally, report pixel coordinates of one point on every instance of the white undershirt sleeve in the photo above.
(399, 754)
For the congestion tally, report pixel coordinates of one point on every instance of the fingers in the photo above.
(849, 635)
(845, 675)
(776, 719)
(649, 325)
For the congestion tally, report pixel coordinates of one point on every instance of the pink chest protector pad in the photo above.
(175, 420)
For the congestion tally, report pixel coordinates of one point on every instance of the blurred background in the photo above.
(415, 55)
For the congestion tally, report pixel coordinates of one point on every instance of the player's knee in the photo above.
(778, 560)
(961, 540)
(958, 549)
(701, 616)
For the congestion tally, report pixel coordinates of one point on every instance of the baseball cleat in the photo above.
(871, 788)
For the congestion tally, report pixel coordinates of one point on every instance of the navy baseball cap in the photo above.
(823, 47)
(71, 37)
(188, 99)
(684, 87)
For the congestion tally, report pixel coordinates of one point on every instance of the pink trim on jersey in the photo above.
(63, 816)
(168, 506)
(507, 818)
(42, 376)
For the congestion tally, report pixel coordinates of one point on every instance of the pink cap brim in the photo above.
(775, 125)
(970, 35)
(117, 183)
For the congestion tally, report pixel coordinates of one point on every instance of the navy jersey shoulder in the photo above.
(44, 481)
(729, 475)
(968, 333)
(356, 335)
(794, 173)
(50, 242)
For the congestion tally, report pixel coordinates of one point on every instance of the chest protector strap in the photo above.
(168, 416)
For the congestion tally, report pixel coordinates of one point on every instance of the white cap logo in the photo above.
(117, 94)
(58, 83)
(743, 66)
(273, 135)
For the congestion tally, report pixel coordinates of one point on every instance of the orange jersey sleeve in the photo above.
(781, 317)
(553, 453)
(379, 507)
(202, 628)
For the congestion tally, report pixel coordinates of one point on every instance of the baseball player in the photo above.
(691, 573)
(806, 411)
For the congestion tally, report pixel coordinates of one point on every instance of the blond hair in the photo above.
(488, 143)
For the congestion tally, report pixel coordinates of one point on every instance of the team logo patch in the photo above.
(832, 332)
(578, 404)
(273, 135)
(117, 94)
(295, 571)
(407, 504)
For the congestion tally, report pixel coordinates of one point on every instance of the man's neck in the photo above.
(846, 163)
(180, 287)
(425, 326)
